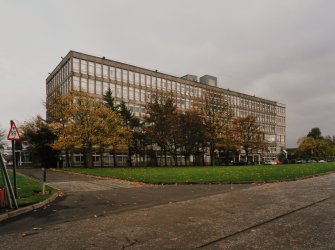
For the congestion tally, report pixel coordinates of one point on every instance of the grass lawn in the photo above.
(29, 191)
(217, 174)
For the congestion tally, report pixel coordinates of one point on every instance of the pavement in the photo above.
(283, 215)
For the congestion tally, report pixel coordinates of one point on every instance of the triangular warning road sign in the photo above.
(13, 134)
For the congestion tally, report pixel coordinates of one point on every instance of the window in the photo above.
(91, 68)
(69, 85)
(137, 110)
(83, 66)
(125, 92)
(153, 82)
(137, 78)
(84, 84)
(76, 65)
(178, 102)
(118, 91)
(66, 87)
(183, 102)
(105, 71)
(124, 76)
(168, 85)
(163, 84)
(64, 71)
(131, 93)
(68, 67)
(143, 95)
(98, 70)
(159, 83)
(187, 104)
(148, 81)
(112, 73)
(173, 86)
(137, 94)
(96, 158)
(182, 89)
(112, 86)
(98, 87)
(118, 74)
(148, 96)
(131, 77)
(91, 88)
(142, 80)
(76, 83)
(105, 87)
(191, 91)
(61, 89)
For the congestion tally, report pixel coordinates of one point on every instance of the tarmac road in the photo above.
(286, 215)
(90, 197)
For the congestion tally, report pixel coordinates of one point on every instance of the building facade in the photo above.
(136, 86)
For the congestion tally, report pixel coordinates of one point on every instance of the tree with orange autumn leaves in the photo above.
(82, 121)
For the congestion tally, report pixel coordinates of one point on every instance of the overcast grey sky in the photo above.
(282, 50)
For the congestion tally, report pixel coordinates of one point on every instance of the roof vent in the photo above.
(193, 78)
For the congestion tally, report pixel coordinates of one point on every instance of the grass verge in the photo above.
(29, 191)
(217, 174)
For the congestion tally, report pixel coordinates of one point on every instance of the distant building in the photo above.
(135, 86)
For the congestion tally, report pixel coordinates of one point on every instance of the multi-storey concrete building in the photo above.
(135, 86)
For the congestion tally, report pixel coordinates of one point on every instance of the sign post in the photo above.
(13, 135)
(8, 186)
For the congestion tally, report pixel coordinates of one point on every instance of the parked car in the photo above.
(321, 161)
(273, 162)
(300, 161)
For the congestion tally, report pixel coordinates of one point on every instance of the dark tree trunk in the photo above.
(130, 154)
(175, 157)
(212, 154)
(165, 158)
(85, 164)
(67, 158)
(115, 158)
(89, 156)
(136, 158)
(101, 157)
(203, 157)
(186, 159)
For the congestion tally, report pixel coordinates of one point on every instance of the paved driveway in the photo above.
(71, 182)
(89, 197)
